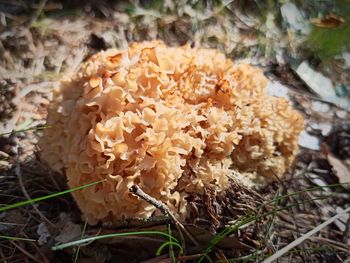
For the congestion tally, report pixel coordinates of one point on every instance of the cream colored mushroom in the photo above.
(172, 120)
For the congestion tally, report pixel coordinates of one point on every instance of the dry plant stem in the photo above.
(20, 179)
(40, 253)
(3, 258)
(49, 171)
(135, 222)
(340, 246)
(301, 239)
(304, 254)
(221, 256)
(25, 252)
(136, 190)
(294, 212)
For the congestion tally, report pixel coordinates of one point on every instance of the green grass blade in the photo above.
(170, 243)
(171, 247)
(90, 239)
(17, 238)
(41, 198)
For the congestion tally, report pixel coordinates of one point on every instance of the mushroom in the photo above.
(173, 120)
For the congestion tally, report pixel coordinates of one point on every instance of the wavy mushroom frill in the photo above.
(172, 120)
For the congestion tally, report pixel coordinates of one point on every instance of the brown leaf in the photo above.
(204, 238)
(69, 232)
(328, 21)
(340, 170)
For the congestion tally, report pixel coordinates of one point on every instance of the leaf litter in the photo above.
(272, 36)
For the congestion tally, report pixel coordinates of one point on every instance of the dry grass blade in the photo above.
(26, 253)
(301, 239)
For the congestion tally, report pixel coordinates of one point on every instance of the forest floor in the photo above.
(303, 51)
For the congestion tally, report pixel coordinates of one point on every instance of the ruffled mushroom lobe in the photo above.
(178, 122)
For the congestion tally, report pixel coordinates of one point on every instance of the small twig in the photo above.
(137, 222)
(40, 253)
(25, 252)
(338, 245)
(136, 190)
(3, 258)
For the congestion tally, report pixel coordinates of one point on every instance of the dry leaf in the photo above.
(69, 232)
(203, 237)
(44, 233)
(340, 170)
(328, 21)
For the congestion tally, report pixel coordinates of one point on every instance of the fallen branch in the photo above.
(136, 190)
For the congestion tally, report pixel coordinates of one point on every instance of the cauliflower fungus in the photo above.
(172, 120)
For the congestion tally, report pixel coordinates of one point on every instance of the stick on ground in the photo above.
(136, 190)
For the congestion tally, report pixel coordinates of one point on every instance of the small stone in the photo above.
(341, 114)
(320, 106)
(308, 141)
